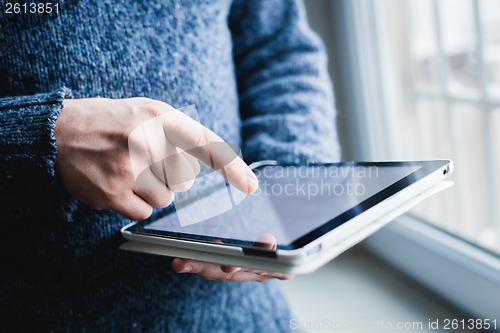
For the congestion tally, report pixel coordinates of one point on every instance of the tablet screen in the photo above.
(296, 204)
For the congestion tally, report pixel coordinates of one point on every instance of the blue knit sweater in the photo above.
(258, 77)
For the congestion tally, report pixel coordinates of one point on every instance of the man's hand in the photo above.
(223, 273)
(131, 155)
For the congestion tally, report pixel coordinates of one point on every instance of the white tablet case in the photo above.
(313, 262)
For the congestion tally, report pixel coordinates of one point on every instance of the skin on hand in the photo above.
(99, 143)
(130, 155)
(210, 271)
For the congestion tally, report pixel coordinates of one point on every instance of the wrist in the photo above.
(62, 120)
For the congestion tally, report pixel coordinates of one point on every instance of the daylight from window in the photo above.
(449, 57)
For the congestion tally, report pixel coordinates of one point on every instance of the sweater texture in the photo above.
(257, 75)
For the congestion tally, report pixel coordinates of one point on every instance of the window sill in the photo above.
(463, 274)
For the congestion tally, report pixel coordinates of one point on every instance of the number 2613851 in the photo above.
(14, 8)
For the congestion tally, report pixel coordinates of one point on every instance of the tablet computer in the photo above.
(311, 212)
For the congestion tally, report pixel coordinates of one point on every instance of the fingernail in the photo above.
(187, 269)
(253, 184)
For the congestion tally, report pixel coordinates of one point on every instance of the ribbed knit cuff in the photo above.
(29, 154)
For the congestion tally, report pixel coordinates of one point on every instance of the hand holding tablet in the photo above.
(211, 271)
(315, 212)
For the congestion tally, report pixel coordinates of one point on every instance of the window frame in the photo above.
(460, 272)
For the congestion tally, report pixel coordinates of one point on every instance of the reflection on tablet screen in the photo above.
(290, 202)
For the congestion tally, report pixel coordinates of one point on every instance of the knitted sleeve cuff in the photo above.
(28, 154)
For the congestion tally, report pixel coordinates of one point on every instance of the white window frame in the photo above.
(462, 273)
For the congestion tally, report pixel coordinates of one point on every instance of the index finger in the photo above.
(200, 142)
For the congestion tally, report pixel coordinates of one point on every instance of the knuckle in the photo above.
(152, 110)
(163, 199)
(121, 168)
(181, 187)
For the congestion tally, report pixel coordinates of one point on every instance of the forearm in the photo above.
(29, 185)
(286, 96)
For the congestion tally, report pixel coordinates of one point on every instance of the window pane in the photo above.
(423, 46)
(469, 157)
(493, 234)
(433, 140)
(490, 24)
(458, 35)
(464, 209)
(458, 123)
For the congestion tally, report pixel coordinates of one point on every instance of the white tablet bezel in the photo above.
(307, 258)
